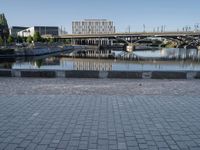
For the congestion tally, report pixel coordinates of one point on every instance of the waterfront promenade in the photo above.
(99, 114)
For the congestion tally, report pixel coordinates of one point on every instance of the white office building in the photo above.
(43, 30)
(15, 29)
(93, 26)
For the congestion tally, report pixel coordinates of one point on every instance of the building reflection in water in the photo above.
(92, 65)
(181, 53)
(175, 59)
(52, 61)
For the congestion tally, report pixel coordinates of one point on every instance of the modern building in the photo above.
(93, 26)
(15, 29)
(43, 30)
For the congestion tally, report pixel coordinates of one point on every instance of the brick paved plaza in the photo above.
(98, 114)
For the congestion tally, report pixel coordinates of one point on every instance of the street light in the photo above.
(196, 27)
(144, 27)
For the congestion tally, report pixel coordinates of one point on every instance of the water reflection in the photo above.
(107, 65)
(155, 60)
(169, 53)
(92, 65)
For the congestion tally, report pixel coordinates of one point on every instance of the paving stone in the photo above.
(122, 146)
(2, 145)
(117, 114)
(41, 147)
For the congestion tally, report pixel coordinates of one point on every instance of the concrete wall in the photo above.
(100, 74)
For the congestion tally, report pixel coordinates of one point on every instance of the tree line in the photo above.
(30, 39)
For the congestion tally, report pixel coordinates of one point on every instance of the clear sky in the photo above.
(134, 13)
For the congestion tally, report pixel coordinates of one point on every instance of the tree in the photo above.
(3, 20)
(19, 39)
(67, 41)
(29, 39)
(10, 39)
(24, 39)
(1, 41)
(39, 63)
(37, 37)
(4, 27)
(51, 40)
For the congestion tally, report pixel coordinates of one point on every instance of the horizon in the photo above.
(130, 14)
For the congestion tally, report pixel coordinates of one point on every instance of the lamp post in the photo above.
(144, 27)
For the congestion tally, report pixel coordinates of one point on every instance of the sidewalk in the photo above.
(91, 114)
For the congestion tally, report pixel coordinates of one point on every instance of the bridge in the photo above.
(130, 39)
(132, 34)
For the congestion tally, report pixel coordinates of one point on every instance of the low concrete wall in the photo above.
(35, 73)
(197, 76)
(26, 52)
(81, 74)
(168, 75)
(5, 73)
(124, 74)
(100, 74)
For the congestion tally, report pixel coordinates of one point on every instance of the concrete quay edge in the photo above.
(99, 74)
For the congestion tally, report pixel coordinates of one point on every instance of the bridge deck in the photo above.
(132, 34)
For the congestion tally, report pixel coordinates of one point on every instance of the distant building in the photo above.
(43, 30)
(15, 29)
(93, 26)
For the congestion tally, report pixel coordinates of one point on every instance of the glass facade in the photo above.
(46, 30)
(43, 30)
(15, 29)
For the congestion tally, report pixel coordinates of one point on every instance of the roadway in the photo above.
(132, 34)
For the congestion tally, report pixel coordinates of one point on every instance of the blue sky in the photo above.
(134, 13)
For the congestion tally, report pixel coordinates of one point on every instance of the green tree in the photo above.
(24, 39)
(19, 39)
(10, 39)
(37, 37)
(39, 63)
(4, 26)
(67, 41)
(29, 39)
(51, 40)
(1, 41)
(3, 20)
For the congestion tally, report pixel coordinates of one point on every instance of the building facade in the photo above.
(93, 26)
(15, 29)
(43, 30)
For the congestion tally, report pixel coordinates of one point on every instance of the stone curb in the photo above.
(100, 74)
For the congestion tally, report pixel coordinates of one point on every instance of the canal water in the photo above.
(165, 59)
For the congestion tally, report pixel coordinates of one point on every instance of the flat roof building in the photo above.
(43, 30)
(15, 29)
(93, 26)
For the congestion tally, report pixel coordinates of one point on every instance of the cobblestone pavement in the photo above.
(27, 86)
(91, 114)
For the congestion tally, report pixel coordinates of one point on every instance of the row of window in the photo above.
(93, 27)
(78, 32)
(92, 23)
